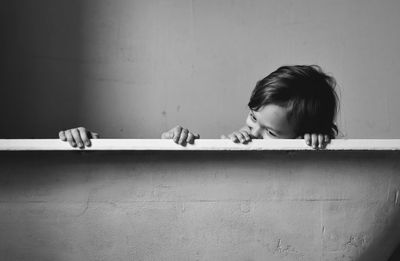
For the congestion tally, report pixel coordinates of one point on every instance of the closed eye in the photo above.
(253, 118)
(271, 133)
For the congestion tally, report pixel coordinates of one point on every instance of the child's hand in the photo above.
(240, 136)
(180, 135)
(78, 137)
(316, 141)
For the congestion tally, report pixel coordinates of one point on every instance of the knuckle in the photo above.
(68, 133)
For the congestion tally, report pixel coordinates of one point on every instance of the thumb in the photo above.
(94, 135)
(167, 135)
(61, 135)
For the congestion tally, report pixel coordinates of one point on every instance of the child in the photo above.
(292, 102)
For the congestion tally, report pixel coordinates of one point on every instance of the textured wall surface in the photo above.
(199, 205)
(133, 68)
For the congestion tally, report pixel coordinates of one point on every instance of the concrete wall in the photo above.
(133, 68)
(199, 205)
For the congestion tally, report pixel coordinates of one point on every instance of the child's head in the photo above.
(292, 101)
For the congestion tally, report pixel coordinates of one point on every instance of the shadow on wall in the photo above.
(396, 255)
(394, 229)
(40, 75)
(387, 241)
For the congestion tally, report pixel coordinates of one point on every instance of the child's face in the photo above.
(270, 122)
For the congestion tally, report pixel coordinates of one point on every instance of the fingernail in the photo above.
(73, 144)
(88, 144)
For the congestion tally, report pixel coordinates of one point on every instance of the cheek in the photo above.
(266, 137)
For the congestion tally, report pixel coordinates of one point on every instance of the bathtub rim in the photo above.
(200, 145)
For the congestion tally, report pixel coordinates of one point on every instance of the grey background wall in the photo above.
(132, 69)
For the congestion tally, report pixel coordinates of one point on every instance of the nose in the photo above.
(255, 131)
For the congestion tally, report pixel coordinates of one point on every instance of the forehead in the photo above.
(275, 117)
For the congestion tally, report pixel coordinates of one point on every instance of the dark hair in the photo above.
(308, 94)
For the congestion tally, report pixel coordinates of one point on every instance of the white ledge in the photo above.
(200, 145)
